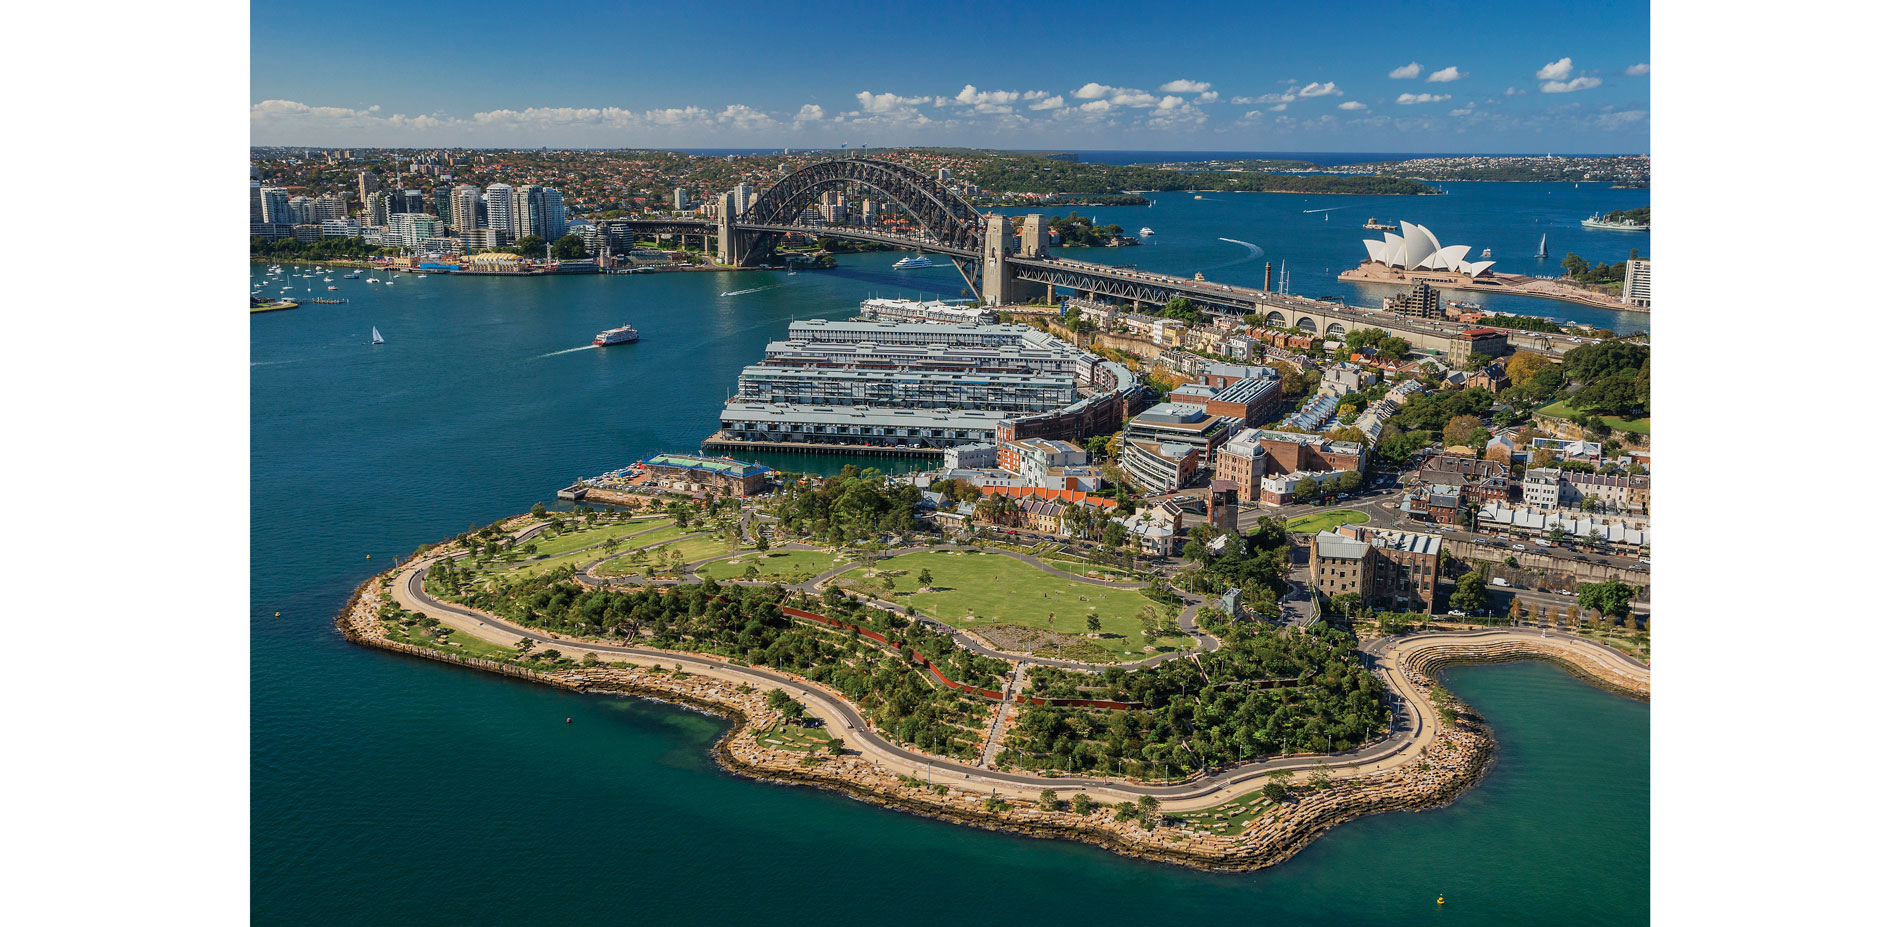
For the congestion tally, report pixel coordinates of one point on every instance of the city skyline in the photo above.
(1489, 78)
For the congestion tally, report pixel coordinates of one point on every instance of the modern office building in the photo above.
(679, 199)
(1164, 446)
(366, 183)
(257, 199)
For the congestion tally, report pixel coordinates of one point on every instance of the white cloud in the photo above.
(878, 103)
(742, 116)
(1411, 98)
(1277, 108)
(1283, 98)
(1405, 73)
(678, 116)
(1321, 90)
(1577, 83)
(1209, 96)
(1445, 75)
(1116, 96)
(1096, 106)
(1462, 111)
(1556, 70)
(1352, 105)
(1637, 70)
(810, 112)
(1054, 102)
(1620, 119)
(970, 96)
(1512, 91)
(1185, 86)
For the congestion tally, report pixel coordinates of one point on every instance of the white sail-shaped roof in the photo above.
(1418, 249)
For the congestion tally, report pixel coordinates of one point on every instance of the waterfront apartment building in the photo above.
(329, 206)
(465, 208)
(902, 388)
(1385, 567)
(911, 310)
(679, 199)
(498, 206)
(376, 210)
(922, 384)
(1636, 282)
(274, 203)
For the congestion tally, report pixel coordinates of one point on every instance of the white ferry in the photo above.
(1147, 232)
(621, 335)
(914, 261)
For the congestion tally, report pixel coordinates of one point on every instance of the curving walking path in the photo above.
(1415, 724)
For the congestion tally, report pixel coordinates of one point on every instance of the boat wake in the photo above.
(1253, 251)
(755, 289)
(584, 347)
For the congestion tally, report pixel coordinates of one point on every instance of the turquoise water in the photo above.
(392, 791)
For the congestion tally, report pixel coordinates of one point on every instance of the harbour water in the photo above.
(394, 791)
(1231, 236)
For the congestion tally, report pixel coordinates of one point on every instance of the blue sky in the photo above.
(1343, 76)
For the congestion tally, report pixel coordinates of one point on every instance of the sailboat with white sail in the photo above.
(375, 337)
(1543, 247)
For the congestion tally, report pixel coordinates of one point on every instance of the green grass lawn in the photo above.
(1001, 590)
(1638, 426)
(553, 545)
(1231, 818)
(1326, 521)
(620, 566)
(700, 548)
(783, 566)
(790, 737)
(454, 642)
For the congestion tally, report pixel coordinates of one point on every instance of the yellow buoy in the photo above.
(277, 614)
(365, 556)
(1441, 899)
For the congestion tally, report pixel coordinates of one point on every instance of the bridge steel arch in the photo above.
(949, 223)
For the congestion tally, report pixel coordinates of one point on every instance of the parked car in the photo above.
(1499, 582)
(1519, 547)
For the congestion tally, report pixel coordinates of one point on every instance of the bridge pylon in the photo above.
(998, 276)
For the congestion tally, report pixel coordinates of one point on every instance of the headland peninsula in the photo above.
(967, 676)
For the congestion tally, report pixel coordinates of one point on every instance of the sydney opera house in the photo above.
(1414, 255)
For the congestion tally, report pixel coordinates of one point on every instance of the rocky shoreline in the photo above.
(1455, 760)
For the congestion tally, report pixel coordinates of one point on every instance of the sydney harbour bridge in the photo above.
(994, 260)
